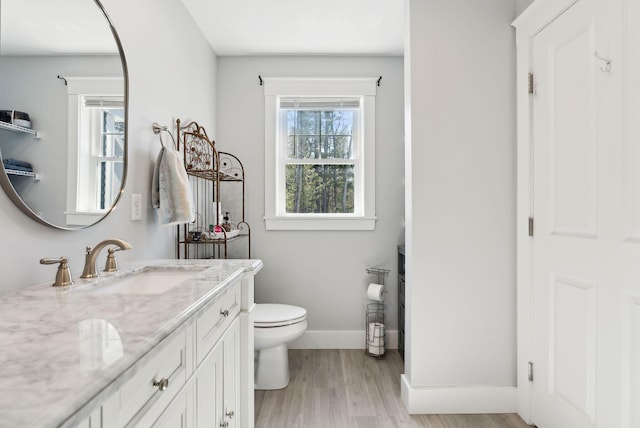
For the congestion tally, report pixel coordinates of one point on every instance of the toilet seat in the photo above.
(269, 315)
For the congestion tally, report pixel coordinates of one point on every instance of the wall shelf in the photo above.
(34, 175)
(22, 129)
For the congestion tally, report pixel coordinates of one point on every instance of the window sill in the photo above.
(320, 223)
(83, 218)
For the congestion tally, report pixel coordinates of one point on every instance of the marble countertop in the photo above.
(62, 347)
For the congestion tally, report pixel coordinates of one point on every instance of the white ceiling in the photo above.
(301, 27)
(54, 27)
(232, 27)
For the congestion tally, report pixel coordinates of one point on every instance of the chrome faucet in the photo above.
(90, 270)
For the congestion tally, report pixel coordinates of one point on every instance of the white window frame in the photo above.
(276, 217)
(80, 191)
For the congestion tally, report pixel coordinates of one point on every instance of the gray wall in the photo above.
(460, 64)
(160, 41)
(521, 5)
(30, 84)
(321, 271)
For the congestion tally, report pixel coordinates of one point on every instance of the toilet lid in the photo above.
(276, 315)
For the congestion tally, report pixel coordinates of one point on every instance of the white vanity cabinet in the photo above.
(143, 397)
(195, 377)
(218, 383)
(93, 421)
(179, 413)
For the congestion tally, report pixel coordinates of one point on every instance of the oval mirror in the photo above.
(63, 110)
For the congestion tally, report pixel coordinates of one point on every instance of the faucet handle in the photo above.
(63, 275)
(111, 264)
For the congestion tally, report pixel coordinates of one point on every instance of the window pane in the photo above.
(110, 182)
(303, 147)
(111, 145)
(112, 133)
(320, 134)
(337, 147)
(307, 122)
(337, 122)
(320, 189)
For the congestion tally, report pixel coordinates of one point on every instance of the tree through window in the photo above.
(320, 157)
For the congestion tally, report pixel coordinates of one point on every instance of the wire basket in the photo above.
(375, 329)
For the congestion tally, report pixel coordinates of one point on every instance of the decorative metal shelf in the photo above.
(220, 241)
(212, 175)
(209, 168)
(16, 128)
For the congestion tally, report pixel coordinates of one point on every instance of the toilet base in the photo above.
(272, 368)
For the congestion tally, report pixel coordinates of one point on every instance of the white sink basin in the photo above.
(147, 282)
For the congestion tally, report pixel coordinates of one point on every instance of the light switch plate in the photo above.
(136, 206)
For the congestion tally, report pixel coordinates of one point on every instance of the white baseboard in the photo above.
(339, 339)
(442, 400)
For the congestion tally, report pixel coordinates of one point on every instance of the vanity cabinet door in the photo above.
(218, 383)
(93, 421)
(209, 389)
(179, 414)
(142, 398)
(216, 319)
(231, 375)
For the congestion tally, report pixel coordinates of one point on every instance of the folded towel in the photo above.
(17, 162)
(17, 168)
(171, 191)
(155, 183)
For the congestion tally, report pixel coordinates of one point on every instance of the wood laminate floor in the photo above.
(347, 389)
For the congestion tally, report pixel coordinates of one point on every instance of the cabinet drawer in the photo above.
(215, 319)
(139, 398)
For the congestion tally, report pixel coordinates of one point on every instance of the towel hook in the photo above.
(157, 129)
(607, 62)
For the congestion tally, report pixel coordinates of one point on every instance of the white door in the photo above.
(586, 266)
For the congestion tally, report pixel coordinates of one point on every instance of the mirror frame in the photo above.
(17, 200)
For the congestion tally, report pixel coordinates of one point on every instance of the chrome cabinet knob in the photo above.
(161, 384)
(224, 424)
(224, 313)
(230, 414)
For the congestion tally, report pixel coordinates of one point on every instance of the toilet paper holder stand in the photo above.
(375, 319)
(379, 273)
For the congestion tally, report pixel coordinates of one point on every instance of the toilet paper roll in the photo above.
(376, 349)
(376, 334)
(375, 292)
(375, 338)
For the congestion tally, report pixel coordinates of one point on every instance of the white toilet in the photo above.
(274, 326)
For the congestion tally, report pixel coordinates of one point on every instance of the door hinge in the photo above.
(530, 226)
(530, 371)
(530, 84)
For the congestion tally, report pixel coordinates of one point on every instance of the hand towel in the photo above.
(17, 162)
(155, 183)
(171, 191)
(9, 167)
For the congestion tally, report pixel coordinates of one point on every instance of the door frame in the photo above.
(533, 20)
